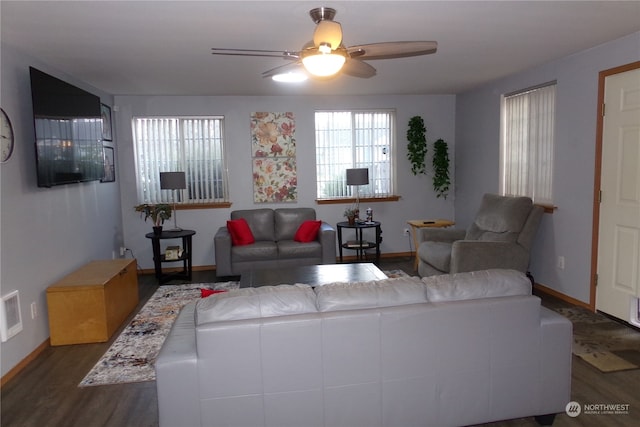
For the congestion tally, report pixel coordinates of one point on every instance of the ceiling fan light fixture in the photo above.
(324, 64)
(290, 77)
(328, 32)
(324, 48)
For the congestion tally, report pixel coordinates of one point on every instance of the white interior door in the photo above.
(618, 285)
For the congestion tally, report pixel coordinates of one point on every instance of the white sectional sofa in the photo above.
(446, 350)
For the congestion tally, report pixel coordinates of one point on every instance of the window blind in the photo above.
(354, 139)
(192, 145)
(527, 147)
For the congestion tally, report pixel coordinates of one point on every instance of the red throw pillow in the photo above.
(240, 232)
(307, 232)
(206, 292)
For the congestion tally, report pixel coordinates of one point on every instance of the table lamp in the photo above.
(173, 181)
(358, 177)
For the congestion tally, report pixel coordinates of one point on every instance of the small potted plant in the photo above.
(158, 214)
(350, 214)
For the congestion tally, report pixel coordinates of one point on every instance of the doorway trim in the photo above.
(597, 174)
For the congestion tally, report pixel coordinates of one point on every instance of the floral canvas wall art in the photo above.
(273, 151)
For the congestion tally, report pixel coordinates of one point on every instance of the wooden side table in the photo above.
(159, 258)
(422, 223)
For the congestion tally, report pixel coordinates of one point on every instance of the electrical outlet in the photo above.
(123, 251)
(561, 262)
(406, 232)
(34, 310)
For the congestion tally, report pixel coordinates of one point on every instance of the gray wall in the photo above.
(417, 197)
(566, 232)
(45, 233)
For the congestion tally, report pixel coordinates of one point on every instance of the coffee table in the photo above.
(314, 275)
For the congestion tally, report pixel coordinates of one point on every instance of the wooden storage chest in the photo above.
(91, 303)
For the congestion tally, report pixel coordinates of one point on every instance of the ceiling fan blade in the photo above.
(282, 69)
(391, 50)
(357, 68)
(286, 54)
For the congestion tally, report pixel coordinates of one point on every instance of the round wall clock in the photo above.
(6, 136)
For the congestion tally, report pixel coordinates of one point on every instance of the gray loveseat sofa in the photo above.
(274, 247)
(446, 350)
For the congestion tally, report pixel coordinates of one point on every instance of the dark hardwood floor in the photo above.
(45, 393)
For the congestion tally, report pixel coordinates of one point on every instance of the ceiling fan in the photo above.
(326, 55)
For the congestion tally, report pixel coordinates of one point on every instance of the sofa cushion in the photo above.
(240, 232)
(260, 221)
(308, 231)
(287, 221)
(476, 284)
(290, 249)
(258, 251)
(370, 294)
(252, 303)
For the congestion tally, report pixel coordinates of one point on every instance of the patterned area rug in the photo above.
(132, 355)
(603, 343)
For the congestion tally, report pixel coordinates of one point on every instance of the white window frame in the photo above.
(165, 138)
(358, 150)
(527, 140)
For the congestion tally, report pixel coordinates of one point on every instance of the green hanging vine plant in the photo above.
(440, 161)
(417, 146)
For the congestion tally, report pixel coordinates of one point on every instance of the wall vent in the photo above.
(10, 317)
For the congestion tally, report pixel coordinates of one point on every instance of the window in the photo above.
(190, 144)
(527, 134)
(354, 139)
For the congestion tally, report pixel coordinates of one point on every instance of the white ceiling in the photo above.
(163, 47)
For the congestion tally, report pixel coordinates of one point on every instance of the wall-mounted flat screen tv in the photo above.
(68, 129)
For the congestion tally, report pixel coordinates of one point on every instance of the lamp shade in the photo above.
(358, 176)
(172, 181)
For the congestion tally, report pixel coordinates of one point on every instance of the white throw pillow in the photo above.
(252, 303)
(477, 284)
(375, 293)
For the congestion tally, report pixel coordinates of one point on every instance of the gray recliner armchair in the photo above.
(501, 236)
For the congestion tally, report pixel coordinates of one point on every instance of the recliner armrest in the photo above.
(473, 255)
(222, 246)
(447, 235)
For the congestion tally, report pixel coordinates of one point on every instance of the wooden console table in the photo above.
(90, 304)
